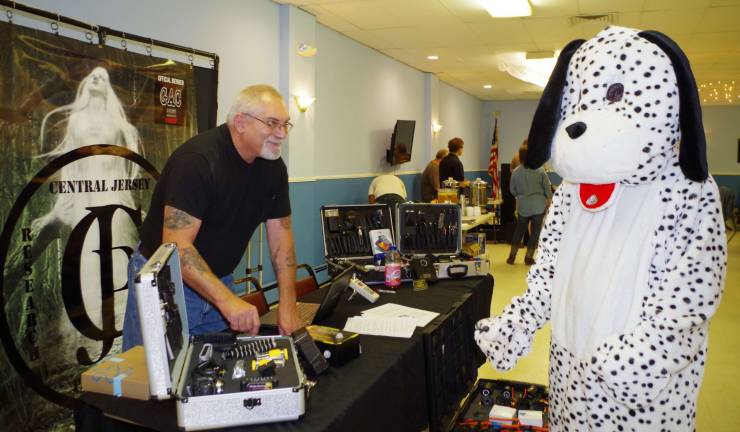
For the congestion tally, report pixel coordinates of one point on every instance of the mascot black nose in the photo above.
(576, 129)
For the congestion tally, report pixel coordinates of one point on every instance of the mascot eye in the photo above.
(614, 93)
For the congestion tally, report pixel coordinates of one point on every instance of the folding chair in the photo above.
(307, 284)
(256, 297)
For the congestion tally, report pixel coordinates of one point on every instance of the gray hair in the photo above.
(251, 99)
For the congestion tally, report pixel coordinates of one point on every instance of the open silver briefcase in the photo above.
(218, 380)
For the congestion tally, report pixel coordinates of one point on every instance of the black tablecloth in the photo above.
(384, 389)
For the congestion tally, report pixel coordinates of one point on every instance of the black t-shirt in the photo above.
(451, 166)
(206, 178)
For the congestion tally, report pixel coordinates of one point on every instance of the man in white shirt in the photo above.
(386, 189)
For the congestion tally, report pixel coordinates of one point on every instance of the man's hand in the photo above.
(289, 320)
(242, 316)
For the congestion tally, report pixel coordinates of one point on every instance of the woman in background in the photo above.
(532, 191)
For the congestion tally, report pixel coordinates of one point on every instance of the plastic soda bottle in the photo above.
(393, 268)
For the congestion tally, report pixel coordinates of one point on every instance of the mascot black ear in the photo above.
(692, 155)
(546, 117)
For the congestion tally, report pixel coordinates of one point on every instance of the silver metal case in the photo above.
(454, 269)
(171, 355)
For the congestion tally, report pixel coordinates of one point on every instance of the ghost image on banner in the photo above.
(96, 116)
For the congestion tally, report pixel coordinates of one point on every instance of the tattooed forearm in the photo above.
(178, 219)
(287, 261)
(192, 259)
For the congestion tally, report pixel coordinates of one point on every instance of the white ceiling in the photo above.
(467, 40)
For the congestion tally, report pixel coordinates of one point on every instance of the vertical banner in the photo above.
(84, 130)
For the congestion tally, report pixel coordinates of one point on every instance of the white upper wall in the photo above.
(360, 94)
(514, 120)
(460, 116)
(722, 128)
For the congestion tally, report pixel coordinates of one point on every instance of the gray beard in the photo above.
(267, 154)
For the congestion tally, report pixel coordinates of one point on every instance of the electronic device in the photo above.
(216, 369)
(329, 302)
(362, 289)
(423, 268)
(337, 346)
(502, 402)
(402, 142)
(314, 361)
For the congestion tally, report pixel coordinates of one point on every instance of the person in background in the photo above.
(532, 191)
(214, 191)
(514, 162)
(430, 177)
(387, 189)
(451, 166)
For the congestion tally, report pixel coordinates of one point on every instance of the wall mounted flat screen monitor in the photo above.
(402, 141)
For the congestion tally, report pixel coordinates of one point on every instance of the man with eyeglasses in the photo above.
(214, 191)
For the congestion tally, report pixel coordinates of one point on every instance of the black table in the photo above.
(384, 389)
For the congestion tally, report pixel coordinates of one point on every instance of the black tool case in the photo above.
(435, 230)
(346, 229)
(425, 229)
(218, 380)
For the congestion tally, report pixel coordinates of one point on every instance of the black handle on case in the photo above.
(457, 271)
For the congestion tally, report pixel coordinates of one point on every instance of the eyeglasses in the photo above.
(272, 123)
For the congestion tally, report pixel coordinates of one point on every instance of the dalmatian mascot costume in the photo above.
(632, 256)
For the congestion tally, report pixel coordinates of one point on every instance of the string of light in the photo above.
(719, 91)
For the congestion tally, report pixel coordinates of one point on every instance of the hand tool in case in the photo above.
(218, 380)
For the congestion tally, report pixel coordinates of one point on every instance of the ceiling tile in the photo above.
(553, 8)
(329, 19)
(511, 30)
(664, 5)
(712, 42)
(720, 19)
(543, 30)
(671, 23)
(368, 15)
(724, 3)
(467, 10)
(595, 7)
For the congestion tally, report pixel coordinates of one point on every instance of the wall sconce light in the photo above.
(436, 127)
(306, 50)
(304, 102)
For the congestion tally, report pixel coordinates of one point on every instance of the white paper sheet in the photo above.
(379, 326)
(391, 310)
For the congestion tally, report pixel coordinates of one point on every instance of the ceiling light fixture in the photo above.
(536, 70)
(507, 8)
(487, 86)
(432, 57)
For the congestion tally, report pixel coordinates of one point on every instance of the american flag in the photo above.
(493, 162)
